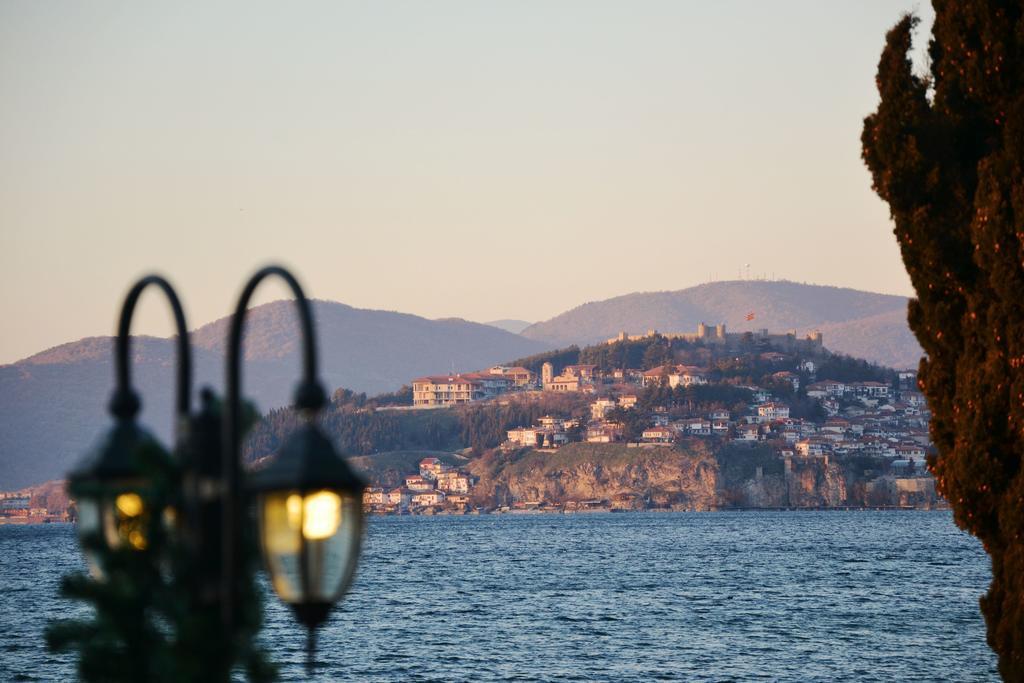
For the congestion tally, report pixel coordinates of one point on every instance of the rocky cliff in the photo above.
(660, 477)
(690, 477)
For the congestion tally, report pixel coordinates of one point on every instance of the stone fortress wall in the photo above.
(717, 334)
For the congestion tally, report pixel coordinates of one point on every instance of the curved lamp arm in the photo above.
(125, 404)
(309, 397)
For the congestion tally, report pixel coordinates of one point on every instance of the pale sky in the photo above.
(472, 159)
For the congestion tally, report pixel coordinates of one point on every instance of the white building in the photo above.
(600, 408)
(454, 482)
(415, 482)
(687, 376)
(428, 498)
(659, 435)
(770, 412)
(748, 433)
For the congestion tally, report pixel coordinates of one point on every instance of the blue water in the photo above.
(774, 596)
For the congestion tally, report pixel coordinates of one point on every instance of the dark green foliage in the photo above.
(696, 399)
(624, 354)
(364, 431)
(804, 408)
(644, 354)
(712, 395)
(149, 621)
(945, 151)
(633, 421)
(486, 426)
(357, 427)
(350, 399)
(846, 369)
(657, 353)
(402, 397)
(559, 358)
(347, 397)
(747, 367)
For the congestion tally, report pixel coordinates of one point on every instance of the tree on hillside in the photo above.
(847, 369)
(558, 358)
(658, 353)
(945, 150)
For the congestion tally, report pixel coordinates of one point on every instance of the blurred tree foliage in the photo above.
(945, 149)
(150, 617)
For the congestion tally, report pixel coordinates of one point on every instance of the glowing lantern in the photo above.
(111, 488)
(309, 505)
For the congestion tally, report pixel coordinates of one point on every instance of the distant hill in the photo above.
(863, 324)
(53, 404)
(363, 350)
(510, 325)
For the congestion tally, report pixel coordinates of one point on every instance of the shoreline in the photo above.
(17, 522)
(593, 511)
(32, 521)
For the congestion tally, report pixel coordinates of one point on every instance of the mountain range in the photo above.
(857, 323)
(52, 404)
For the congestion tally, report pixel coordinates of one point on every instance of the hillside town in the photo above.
(773, 394)
(793, 409)
(869, 418)
(866, 417)
(435, 391)
(437, 486)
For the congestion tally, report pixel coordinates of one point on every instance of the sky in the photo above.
(480, 160)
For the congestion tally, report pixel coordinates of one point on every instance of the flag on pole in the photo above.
(750, 316)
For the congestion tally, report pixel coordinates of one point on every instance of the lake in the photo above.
(740, 596)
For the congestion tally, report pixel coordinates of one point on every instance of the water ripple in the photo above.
(749, 596)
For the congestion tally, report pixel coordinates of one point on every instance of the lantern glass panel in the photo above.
(118, 519)
(89, 528)
(88, 517)
(310, 542)
(125, 520)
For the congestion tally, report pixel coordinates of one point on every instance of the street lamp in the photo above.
(173, 527)
(308, 500)
(309, 506)
(118, 506)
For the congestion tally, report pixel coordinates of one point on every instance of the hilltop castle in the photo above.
(812, 343)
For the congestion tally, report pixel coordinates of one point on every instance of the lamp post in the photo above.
(309, 502)
(166, 537)
(117, 508)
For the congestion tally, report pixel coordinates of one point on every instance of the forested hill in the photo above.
(857, 323)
